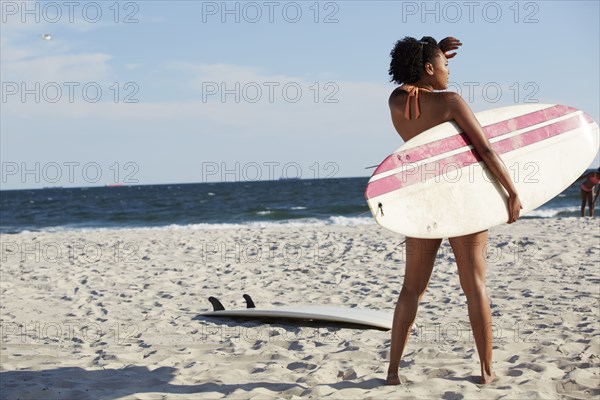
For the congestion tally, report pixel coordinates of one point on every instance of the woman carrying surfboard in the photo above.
(421, 68)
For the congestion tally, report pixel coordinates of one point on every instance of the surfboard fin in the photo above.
(249, 302)
(217, 306)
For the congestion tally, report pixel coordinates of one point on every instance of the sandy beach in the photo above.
(111, 314)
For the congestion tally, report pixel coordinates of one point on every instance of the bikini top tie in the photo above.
(413, 91)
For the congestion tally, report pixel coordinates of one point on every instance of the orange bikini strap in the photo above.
(413, 91)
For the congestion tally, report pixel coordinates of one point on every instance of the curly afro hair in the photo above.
(409, 56)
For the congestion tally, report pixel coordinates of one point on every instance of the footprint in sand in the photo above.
(299, 366)
(452, 396)
(439, 373)
(514, 372)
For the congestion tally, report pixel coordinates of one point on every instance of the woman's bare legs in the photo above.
(584, 199)
(470, 253)
(587, 197)
(420, 257)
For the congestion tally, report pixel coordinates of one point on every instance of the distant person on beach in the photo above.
(588, 188)
(421, 66)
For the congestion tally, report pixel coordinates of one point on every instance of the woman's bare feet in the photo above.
(487, 378)
(392, 379)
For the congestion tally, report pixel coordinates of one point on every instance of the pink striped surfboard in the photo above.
(436, 185)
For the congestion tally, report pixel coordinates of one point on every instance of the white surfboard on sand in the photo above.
(436, 185)
(355, 316)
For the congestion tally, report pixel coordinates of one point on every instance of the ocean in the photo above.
(210, 205)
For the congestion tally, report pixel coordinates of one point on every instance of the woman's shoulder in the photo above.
(446, 102)
(446, 95)
(397, 92)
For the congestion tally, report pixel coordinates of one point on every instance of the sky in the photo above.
(154, 92)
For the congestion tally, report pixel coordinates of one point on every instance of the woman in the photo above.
(587, 192)
(422, 67)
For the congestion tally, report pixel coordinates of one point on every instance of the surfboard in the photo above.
(353, 316)
(436, 185)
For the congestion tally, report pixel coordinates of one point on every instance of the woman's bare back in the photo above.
(435, 109)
